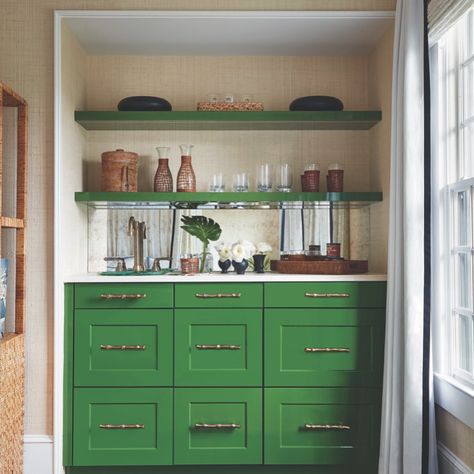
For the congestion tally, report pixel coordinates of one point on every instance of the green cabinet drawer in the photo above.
(218, 426)
(325, 295)
(123, 295)
(125, 347)
(324, 347)
(122, 426)
(218, 347)
(218, 295)
(321, 426)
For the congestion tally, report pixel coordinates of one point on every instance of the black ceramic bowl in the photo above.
(144, 103)
(316, 102)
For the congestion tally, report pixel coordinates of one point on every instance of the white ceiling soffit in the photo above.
(228, 33)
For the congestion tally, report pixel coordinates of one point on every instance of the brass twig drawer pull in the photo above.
(137, 426)
(216, 426)
(123, 296)
(310, 426)
(327, 349)
(108, 347)
(327, 295)
(218, 295)
(218, 347)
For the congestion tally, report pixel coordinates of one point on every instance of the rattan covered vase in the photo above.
(163, 182)
(186, 181)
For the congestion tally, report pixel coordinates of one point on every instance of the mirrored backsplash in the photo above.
(284, 230)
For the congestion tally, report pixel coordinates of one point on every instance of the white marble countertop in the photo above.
(220, 277)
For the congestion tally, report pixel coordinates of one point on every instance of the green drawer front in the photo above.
(238, 443)
(218, 347)
(219, 295)
(145, 441)
(325, 295)
(324, 347)
(123, 347)
(321, 426)
(124, 295)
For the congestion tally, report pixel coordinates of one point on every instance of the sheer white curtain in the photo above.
(402, 405)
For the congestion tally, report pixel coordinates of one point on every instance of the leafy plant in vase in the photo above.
(205, 229)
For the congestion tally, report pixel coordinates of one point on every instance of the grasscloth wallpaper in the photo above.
(26, 64)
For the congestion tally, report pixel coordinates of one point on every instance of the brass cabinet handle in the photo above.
(327, 295)
(216, 426)
(217, 295)
(310, 426)
(123, 296)
(108, 347)
(137, 426)
(327, 349)
(230, 347)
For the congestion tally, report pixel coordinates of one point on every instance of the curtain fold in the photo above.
(401, 444)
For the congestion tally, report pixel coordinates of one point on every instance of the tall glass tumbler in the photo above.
(264, 178)
(285, 179)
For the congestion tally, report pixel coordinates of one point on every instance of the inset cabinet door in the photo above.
(122, 426)
(324, 347)
(218, 347)
(126, 347)
(321, 426)
(218, 426)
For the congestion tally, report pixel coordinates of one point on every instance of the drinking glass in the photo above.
(241, 182)
(216, 184)
(264, 178)
(284, 178)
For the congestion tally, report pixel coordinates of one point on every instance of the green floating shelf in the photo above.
(192, 120)
(206, 200)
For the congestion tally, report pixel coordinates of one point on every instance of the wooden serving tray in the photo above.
(325, 267)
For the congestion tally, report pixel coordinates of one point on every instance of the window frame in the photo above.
(453, 389)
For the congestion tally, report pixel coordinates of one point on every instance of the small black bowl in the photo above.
(316, 102)
(144, 103)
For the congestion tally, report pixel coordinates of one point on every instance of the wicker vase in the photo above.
(186, 181)
(163, 182)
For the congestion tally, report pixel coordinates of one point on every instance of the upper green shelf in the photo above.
(192, 120)
(226, 200)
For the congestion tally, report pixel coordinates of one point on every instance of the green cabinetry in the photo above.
(122, 426)
(123, 347)
(218, 426)
(214, 374)
(321, 426)
(218, 347)
(324, 347)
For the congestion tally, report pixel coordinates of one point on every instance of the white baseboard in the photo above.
(38, 454)
(449, 463)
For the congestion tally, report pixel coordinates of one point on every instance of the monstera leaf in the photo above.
(204, 228)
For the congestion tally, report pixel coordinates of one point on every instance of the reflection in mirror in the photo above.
(299, 228)
(318, 226)
(164, 238)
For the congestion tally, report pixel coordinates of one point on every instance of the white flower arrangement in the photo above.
(243, 249)
(224, 251)
(262, 248)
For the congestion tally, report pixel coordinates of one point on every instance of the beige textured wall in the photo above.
(26, 64)
(380, 98)
(456, 436)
